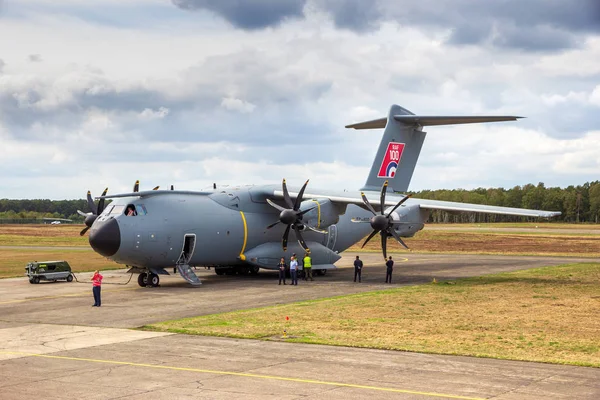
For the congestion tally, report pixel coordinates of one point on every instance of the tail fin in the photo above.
(401, 144)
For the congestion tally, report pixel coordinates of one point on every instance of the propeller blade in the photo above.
(299, 198)
(286, 195)
(101, 203)
(301, 213)
(299, 237)
(82, 213)
(272, 225)
(277, 206)
(83, 231)
(156, 188)
(366, 201)
(384, 244)
(360, 221)
(285, 237)
(136, 186)
(382, 196)
(398, 238)
(91, 203)
(399, 204)
(375, 232)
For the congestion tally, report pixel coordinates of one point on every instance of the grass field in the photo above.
(566, 244)
(13, 261)
(546, 315)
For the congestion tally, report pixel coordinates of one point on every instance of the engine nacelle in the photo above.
(412, 219)
(324, 214)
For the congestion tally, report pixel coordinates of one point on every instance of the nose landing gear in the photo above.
(148, 279)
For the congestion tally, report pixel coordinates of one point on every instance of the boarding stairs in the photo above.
(186, 272)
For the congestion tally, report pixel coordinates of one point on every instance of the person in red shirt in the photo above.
(96, 283)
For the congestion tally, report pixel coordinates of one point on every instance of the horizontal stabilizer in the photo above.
(425, 120)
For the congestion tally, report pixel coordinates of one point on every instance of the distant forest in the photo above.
(576, 203)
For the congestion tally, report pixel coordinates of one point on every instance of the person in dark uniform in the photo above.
(389, 268)
(282, 268)
(358, 264)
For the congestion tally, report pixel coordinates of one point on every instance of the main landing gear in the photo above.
(148, 279)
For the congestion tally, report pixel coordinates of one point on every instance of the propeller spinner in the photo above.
(96, 210)
(383, 223)
(291, 216)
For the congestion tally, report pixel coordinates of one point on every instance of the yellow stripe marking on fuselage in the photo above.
(318, 213)
(242, 256)
(243, 374)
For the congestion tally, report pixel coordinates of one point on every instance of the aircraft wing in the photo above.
(391, 200)
(482, 208)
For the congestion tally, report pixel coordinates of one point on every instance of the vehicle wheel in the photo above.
(154, 280)
(142, 279)
(70, 278)
(31, 281)
(36, 279)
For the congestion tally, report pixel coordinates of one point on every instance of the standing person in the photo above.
(390, 267)
(96, 284)
(282, 267)
(307, 267)
(358, 264)
(294, 269)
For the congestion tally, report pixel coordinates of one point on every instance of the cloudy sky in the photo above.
(100, 93)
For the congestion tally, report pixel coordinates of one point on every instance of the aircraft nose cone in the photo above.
(105, 237)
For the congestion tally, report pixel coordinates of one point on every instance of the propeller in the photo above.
(292, 216)
(136, 187)
(383, 223)
(96, 210)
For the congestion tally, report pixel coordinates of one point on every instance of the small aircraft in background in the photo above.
(246, 228)
(56, 221)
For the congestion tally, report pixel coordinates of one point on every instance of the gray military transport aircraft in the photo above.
(245, 228)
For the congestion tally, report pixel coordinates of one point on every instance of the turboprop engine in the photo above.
(322, 214)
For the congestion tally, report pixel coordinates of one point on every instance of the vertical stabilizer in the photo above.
(402, 141)
(398, 151)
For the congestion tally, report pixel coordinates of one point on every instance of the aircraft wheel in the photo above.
(154, 280)
(142, 279)
(70, 278)
(254, 270)
(322, 272)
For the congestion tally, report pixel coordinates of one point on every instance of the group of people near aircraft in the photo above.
(295, 268)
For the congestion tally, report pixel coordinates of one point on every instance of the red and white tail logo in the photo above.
(391, 160)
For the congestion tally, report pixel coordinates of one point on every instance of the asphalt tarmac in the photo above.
(54, 345)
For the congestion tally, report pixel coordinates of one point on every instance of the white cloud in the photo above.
(234, 104)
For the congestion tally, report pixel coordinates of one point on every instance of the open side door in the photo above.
(183, 266)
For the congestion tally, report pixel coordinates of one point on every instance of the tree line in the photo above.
(576, 203)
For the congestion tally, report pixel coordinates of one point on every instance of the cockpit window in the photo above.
(141, 209)
(107, 210)
(130, 210)
(117, 210)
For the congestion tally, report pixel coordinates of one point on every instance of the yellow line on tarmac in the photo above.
(58, 296)
(244, 374)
